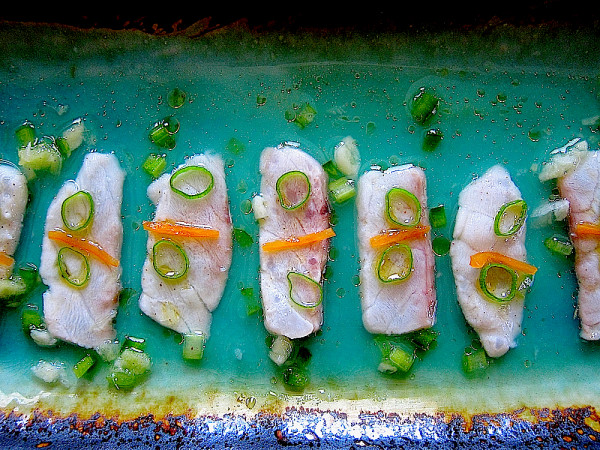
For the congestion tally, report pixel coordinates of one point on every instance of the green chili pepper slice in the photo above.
(498, 282)
(402, 207)
(293, 189)
(304, 291)
(73, 266)
(192, 182)
(395, 263)
(77, 211)
(510, 218)
(169, 259)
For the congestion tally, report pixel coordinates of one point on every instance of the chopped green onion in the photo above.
(342, 189)
(12, 290)
(134, 342)
(510, 218)
(395, 263)
(424, 106)
(559, 245)
(331, 169)
(176, 98)
(129, 368)
(25, 134)
(77, 211)
(193, 346)
(192, 182)
(162, 133)
(63, 146)
(73, 266)
(440, 245)
(281, 349)
(293, 189)
(474, 361)
(437, 216)
(42, 154)
(432, 139)
(423, 338)
(498, 282)
(304, 291)
(402, 357)
(73, 135)
(347, 157)
(84, 365)
(170, 260)
(397, 353)
(31, 319)
(402, 207)
(154, 165)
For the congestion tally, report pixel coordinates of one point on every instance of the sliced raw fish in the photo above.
(401, 306)
(185, 304)
(282, 313)
(580, 185)
(497, 324)
(13, 202)
(84, 315)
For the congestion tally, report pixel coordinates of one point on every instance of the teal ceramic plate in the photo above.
(508, 95)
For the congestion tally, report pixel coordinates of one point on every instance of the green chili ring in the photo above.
(396, 195)
(293, 278)
(483, 282)
(75, 279)
(161, 263)
(289, 179)
(520, 211)
(188, 176)
(386, 266)
(79, 200)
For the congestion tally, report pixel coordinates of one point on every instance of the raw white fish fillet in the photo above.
(281, 315)
(580, 185)
(13, 202)
(408, 305)
(84, 315)
(186, 305)
(497, 325)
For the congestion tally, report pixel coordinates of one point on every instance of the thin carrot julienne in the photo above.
(586, 229)
(6, 260)
(298, 241)
(180, 229)
(395, 236)
(84, 245)
(478, 260)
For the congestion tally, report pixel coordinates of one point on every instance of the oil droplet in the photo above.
(340, 292)
(356, 280)
(534, 134)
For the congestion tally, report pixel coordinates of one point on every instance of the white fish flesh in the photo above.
(497, 324)
(13, 203)
(281, 315)
(580, 185)
(402, 306)
(84, 315)
(186, 304)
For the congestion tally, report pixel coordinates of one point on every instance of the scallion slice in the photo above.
(293, 189)
(193, 346)
(402, 207)
(82, 366)
(77, 211)
(304, 291)
(73, 266)
(510, 218)
(395, 263)
(342, 189)
(170, 260)
(281, 349)
(192, 182)
(498, 282)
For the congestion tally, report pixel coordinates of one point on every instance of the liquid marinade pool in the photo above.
(496, 107)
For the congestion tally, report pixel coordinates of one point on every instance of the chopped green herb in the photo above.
(134, 342)
(31, 319)
(440, 245)
(302, 115)
(432, 139)
(295, 377)
(163, 131)
(332, 170)
(25, 134)
(252, 301)
(176, 98)
(437, 216)
(129, 368)
(474, 361)
(242, 237)
(154, 165)
(41, 155)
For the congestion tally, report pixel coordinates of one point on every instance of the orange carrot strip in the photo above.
(478, 260)
(586, 229)
(180, 229)
(83, 244)
(394, 236)
(6, 260)
(298, 241)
